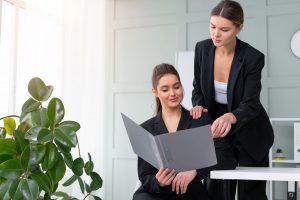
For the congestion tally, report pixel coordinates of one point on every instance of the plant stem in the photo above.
(78, 146)
(86, 196)
(10, 116)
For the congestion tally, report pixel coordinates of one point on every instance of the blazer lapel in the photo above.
(234, 71)
(184, 122)
(185, 119)
(209, 76)
(159, 125)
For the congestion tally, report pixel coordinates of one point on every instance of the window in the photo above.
(6, 58)
(30, 45)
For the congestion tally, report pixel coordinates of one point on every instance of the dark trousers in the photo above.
(231, 154)
(195, 191)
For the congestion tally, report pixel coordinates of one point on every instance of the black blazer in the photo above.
(253, 128)
(156, 126)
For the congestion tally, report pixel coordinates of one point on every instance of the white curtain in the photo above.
(84, 75)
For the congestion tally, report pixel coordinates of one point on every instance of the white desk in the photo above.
(258, 173)
(255, 173)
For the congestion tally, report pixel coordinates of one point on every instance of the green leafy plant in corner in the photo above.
(36, 150)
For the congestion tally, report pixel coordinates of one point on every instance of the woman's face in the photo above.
(169, 91)
(223, 31)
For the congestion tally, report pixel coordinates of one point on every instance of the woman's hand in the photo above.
(182, 180)
(165, 176)
(196, 112)
(222, 125)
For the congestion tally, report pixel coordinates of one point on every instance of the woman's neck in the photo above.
(228, 49)
(171, 118)
(171, 112)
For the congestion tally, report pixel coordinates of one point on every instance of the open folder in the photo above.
(183, 150)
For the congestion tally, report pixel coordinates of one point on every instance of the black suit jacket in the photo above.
(156, 126)
(253, 128)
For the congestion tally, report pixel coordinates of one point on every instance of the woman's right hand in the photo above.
(196, 112)
(165, 176)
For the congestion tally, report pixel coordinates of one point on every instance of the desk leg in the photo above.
(226, 190)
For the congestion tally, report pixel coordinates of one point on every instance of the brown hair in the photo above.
(230, 10)
(158, 72)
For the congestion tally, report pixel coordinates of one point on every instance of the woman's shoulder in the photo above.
(148, 124)
(250, 50)
(203, 120)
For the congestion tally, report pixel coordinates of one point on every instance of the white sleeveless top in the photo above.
(220, 92)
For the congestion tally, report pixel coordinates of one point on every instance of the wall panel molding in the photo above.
(132, 9)
(280, 2)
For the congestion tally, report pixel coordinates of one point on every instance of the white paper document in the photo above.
(183, 150)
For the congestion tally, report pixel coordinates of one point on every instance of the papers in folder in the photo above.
(183, 150)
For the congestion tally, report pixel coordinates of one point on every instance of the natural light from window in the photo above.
(6, 50)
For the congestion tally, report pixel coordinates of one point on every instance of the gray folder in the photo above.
(183, 150)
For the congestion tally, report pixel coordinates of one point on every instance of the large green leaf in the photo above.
(30, 105)
(25, 158)
(26, 117)
(64, 195)
(96, 181)
(33, 132)
(29, 189)
(24, 127)
(4, 188)
(70, 181)
(88, 167)
(11, 169)
(46, 92)
(62, 148)
(4, 157)
(57, 173)
(21, 143)
(39, 90)
(31, 156)
(87, 188)
(55, 185)
(43, 181)
(68, 159)
(35, 85)
(51, 157)
(36, 118)
(77, 166)
(74, 126)
(8, 147)
(96, 197)
(9, 125)
(15, 190)
(56, 111)
(65, 136)
(40, 118)
(81, 184)
(45, 135)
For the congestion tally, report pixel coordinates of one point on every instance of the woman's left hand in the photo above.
(182, 180)
(222, 125)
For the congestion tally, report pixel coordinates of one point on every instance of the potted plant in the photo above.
(36, 150)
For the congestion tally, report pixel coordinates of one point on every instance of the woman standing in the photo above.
(166, 184)
(227, 84)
